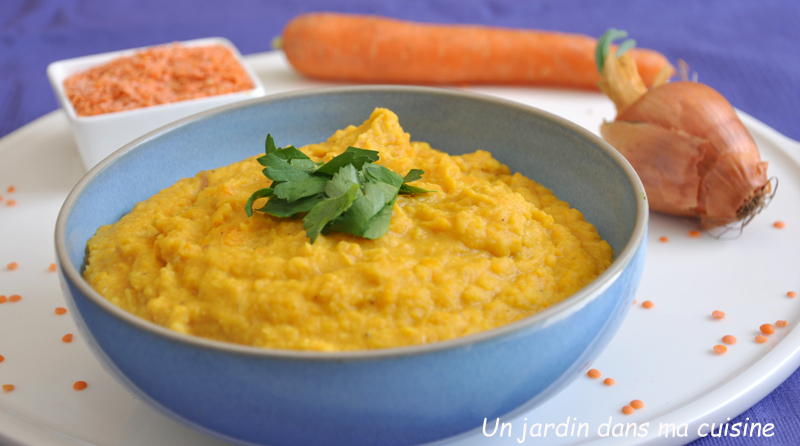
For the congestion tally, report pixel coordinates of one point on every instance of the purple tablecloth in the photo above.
(747, 50)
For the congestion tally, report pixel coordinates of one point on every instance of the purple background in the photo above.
(748, 50)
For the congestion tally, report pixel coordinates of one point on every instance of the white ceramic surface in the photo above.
(662, 356)
(98, 136)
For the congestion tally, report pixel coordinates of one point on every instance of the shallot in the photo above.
(685, 141)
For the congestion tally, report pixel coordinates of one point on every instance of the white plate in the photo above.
(662, 356)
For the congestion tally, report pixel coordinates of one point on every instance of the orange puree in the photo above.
(486, 249)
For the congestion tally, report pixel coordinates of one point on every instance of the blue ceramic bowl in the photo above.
(400, 396)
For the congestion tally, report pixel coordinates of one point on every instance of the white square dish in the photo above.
(98, 136)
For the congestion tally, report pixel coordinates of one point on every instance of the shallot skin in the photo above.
(692, 152)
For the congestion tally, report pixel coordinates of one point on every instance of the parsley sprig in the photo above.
(349, 193)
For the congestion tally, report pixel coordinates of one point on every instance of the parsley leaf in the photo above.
(294, 190)
(349, 193)
(261, 193)
(327, 210)
(413, 175)
(279, 207)
(379, 223)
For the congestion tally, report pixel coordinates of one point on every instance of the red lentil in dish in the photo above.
(158, 75)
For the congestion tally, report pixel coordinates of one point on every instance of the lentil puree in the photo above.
(486, 249)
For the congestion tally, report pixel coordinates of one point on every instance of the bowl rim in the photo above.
(57, 80)
(550, 314)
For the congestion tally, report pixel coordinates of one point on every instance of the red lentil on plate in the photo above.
(157, 75)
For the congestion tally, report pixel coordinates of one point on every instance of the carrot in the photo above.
(381, 50)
